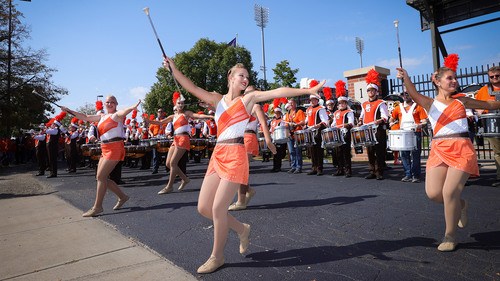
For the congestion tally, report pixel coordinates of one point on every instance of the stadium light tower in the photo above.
(261, 18)
(360, 46)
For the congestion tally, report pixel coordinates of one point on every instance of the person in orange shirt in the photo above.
(154, 131)
(491, 91)
(410, 116)
(295, 119)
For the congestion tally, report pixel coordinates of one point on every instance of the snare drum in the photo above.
(211, 142)
(332, 137)
(304, 138)
(95, 152)
(263, 145)
(281, 134)
(364, 135)
(86, 148)
(402, 140)
(491, 125)
(198, 144)
(162, 145)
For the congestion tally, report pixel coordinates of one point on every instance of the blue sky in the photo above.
(108, 47)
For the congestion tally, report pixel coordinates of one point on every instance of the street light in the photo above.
(360, 46)
(261, 18)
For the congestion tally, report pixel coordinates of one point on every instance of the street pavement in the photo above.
(303, 228)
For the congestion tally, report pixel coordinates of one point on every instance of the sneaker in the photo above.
(298, 171)
(313, 172)
(415, 180)
(291, 170)
(406, 179)
(496, 184)
(370, 176)
(319, 173)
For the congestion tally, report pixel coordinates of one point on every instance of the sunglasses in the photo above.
(494, 76)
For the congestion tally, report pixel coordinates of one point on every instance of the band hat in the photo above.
(288, 106)
(57, 123)
(42, 125)
(313, 97)
(211, 112)
(329, 102)
(277, 109)
(74, 125)
(371, 86)
(342, 99)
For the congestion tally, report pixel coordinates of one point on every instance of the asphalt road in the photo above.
(308, 227)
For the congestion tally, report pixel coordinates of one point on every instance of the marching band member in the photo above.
(410, 116)
(343, 119)
(111, 133)
(317, 120)
(374, 112)
(491, 91)
(228, 167)
(73, 150)
(280, 147)
(452, 158)
(295, 119)
(181, 144)
(154, 131)
(41, 150)
(53, 134)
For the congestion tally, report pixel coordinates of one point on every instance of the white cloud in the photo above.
(138, 92)
(407, 62)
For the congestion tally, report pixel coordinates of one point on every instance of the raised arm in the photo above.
(81, 116)
(120, 114)
(163, 121)
(423, 101)
(198, 116)
(208, 97)
(265, 129)
(479, 104)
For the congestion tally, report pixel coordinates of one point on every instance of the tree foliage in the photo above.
(206, 64)
(284, 75)
(19, 107)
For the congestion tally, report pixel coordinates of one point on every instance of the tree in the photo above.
(21, 71)
(206, 64)
(284, 75)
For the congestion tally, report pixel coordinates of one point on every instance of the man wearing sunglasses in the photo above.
(491, 91)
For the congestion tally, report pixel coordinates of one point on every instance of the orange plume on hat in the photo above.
(127, 122)
(60, 116)
(98, 105)
(175, 96)
(340, 88)
(145, 116)
(152, 117)
(276, 102)
(372, 77)
(265, 107)
(134, 113)
(451, 61)
(81, 122)
(284, 100)
(313, 83)
(327, 91)
(74, 120)
(49, 123)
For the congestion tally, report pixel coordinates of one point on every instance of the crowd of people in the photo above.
(237, 128)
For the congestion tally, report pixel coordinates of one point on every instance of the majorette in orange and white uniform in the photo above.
(229, 159)
(111, 135)
(251, 141)
(181, 132)
(451, 144)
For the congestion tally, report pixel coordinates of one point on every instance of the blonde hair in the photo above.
(113, 98)
(232, 69)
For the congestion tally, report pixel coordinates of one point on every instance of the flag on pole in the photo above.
(232, 43)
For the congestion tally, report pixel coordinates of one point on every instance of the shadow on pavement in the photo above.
(322, 254)
(314, 202)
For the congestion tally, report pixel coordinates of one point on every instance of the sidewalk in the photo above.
(45, 238)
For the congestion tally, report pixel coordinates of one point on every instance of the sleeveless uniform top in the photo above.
(229, 158)
(341, 117)
(110, 129)
(252, 125)
(372, 110)
(457, 152)
(181, 125)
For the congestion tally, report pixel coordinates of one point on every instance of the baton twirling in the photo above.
(46, 100)
(146, 11)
